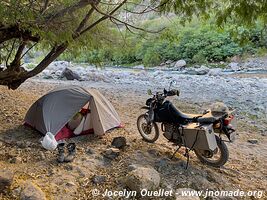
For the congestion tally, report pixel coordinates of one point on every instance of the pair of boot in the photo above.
(61, 152)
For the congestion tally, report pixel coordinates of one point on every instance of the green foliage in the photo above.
(223, 11)
(195, 42)
(207, 44)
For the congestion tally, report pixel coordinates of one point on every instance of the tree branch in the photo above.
(10, 52)
(106, 16)
(16, 62)
(85, 20)
(45, 6)
(127, 25)
(70, 9)
(10, 32)
(51, 56)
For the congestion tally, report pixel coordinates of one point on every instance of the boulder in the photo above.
(203, 70)
(184, 194)
(31, 191)
(180, 64)
(168, 62)
(6, 179)
(234, 66)
(139, 67)
(59, 65)
(112, 153)
(119, 142)
(70, 75)
(215, 72)
(198, 71)
(143, 177)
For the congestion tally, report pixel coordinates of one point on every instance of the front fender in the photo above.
(145, 108)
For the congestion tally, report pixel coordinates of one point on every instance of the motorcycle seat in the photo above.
(177, 113)
(206, 120)
(189, 116)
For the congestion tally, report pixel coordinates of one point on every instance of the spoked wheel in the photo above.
(149, 132)
(217, 158)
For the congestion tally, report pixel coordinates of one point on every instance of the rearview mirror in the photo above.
(173, 82)
(149, 92)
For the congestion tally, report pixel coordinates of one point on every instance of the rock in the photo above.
(21, 144)
(132, 167)
(59, 65)
(253, 141)
(99, 179)
(1, 144)
(68, 167)
(203, 70)
(139, 67)
(6, 179)
(236, 59)
(89, 151)
(32, 192)
(168, 62)
(143, 177)
(16, 192)
(181, 194)
(16, 160)
(198, 71)
(234, 66)
(80, 70)
(42, 155)
(28, 144)
(161, 164)
(153, 152)
(112, 153)
(70, 184)
(180, 64)
(119, 142)
(70, 75)
(215, 72)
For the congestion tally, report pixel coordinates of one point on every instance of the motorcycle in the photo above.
(202, 133)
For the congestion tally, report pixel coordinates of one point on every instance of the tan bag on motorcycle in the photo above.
(199, 137)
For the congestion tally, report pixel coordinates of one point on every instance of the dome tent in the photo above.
(55, 109)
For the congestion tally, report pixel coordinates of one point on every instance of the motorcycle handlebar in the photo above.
(172, 93)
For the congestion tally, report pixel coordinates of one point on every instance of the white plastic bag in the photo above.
(49, 142)
(80, 127)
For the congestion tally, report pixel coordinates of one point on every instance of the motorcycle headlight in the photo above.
(148, 102)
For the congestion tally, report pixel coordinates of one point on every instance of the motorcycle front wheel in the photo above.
(149, 132)
(217, 158)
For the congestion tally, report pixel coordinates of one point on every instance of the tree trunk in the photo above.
(15, 76)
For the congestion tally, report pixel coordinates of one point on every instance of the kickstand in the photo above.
(175, 152)
(187, 157)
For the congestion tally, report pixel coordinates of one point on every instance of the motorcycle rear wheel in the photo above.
(218, 162)
(150, 133)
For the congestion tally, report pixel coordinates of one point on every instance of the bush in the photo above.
(207, 45)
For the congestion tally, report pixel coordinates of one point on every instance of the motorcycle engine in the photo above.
(171, 132)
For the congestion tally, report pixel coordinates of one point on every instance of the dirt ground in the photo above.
(21, 152)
